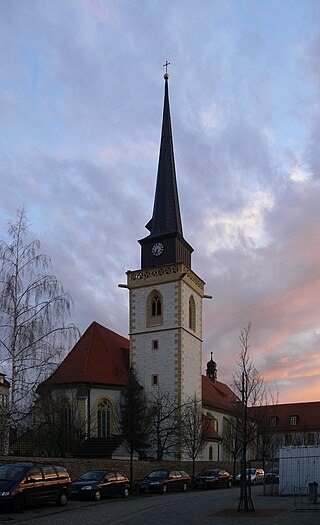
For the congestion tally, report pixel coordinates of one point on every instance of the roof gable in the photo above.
(217, 395)
(100, 356)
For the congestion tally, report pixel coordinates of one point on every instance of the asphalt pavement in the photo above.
(203, 507)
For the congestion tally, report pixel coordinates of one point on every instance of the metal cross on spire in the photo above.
(166, 66)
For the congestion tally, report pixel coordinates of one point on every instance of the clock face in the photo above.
(157, 249)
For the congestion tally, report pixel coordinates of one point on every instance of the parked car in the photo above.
(272, 476)
(254, 476)
(163, 481)
(28, 483)
(95, 484)
(212, 479)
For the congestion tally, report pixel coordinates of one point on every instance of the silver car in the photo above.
(254, 476)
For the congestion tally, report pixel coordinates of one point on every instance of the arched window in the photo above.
(65, 423)
(210, 454)
(154, 309)
(103, 418)
(192, 313)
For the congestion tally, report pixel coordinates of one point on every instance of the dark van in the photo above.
(28, 483)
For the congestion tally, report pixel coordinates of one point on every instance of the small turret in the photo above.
(212, 369)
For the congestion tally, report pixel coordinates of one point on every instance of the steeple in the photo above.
(166, 210)
(165, 244)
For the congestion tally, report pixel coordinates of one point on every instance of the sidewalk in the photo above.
(271, 509)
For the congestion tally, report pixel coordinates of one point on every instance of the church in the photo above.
(165, 331)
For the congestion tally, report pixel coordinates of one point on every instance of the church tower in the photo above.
(165, 294)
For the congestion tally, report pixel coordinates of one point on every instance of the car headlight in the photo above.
(87, 487)
(4, 493)
(156, 483)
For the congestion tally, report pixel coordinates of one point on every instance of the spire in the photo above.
(166, 210)
(165, 243)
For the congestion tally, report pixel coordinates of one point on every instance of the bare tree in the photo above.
(59, 423)
(165, 424)
(253, 393)
(231, 440)
(195, 430)
(134, 418)
(33, 309)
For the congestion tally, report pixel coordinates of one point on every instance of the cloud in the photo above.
(81, 106)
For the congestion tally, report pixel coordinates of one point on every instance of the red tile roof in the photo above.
(308, 416)
(217, 395)
(100, 356)
(208, 429)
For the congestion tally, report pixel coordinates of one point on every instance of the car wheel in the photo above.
(184, 487)
(18, 504)
(96, 495)
(164, 489)
(125, 493)
(62, 499)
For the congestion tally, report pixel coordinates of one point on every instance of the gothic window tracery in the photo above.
(156, 306)
(103, 417)
(154, 309)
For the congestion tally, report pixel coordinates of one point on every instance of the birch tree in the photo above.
(33, 310)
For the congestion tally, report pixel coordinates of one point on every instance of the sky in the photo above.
(81, 102)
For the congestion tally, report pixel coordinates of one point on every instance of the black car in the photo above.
(272, 476)
(163, 481)
(212, 479)
(95, 484)
(28, 483)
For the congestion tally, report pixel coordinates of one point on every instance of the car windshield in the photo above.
(159, 474)
(92, 475)
(213, 473)
(11, 472)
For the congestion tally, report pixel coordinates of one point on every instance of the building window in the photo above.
(293, 420)
(155, 379)
(66, 423)
(210, 454)
(192, 313)
(154, 309)
(103, 417)
(155, 344)
(272, 421)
